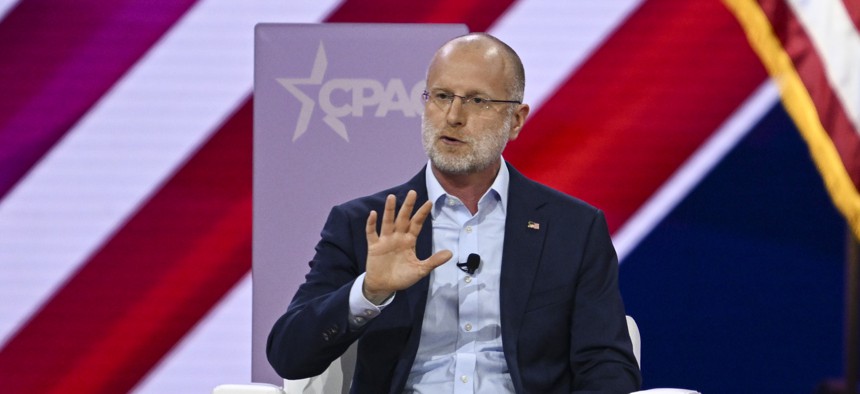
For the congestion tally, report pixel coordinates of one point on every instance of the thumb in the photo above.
(438, 258)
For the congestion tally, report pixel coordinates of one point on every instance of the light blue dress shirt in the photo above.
(460, 349)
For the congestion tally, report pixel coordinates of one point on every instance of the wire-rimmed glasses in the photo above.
(444, 100)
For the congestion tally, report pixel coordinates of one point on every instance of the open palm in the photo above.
(391, 261)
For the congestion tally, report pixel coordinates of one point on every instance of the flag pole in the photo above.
(852, 313)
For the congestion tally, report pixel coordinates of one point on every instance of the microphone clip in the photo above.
(471, 264)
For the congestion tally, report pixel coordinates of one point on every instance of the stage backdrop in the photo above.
(337, 115)
(126, 183)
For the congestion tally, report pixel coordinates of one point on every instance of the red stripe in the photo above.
(177, 302)
(618, 128)
(810, 67)
(59, 57)
(853, 9)
(477, 14)
(155, 279)
(192, 237)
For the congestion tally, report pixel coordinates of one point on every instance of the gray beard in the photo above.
(487, 147)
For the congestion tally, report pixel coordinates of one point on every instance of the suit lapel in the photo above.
(525, 230)
(416, 295)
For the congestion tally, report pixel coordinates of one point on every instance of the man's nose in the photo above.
(456, 115)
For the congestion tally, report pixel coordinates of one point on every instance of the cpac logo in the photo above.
(363, 92)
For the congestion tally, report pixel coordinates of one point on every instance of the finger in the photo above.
(370, 228)
(418, 219)
(388, 215)
(437, 259)
(401, 225)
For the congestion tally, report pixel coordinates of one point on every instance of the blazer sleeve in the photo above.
(314, 331)
(601, 355)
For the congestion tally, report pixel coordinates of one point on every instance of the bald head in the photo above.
(493, 53)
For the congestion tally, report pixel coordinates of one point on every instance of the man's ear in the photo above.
(520, 114)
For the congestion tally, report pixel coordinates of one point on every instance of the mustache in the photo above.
(445, 132)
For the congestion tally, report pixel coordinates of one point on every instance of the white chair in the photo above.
(332, 380)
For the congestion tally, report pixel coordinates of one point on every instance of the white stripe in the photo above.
(838, 45)
(553, 38)
(695, 169)
(133, 139)
(216, 351)
(6, 6)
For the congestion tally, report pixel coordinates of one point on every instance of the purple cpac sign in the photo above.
(337, 115)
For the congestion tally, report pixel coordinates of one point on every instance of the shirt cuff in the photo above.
(361, 310)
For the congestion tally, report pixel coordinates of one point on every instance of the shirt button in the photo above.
(468, 229)
(451, 202)
(468, 327)
(359, 319)
(468, 279)
(368, 312)
(464, 379)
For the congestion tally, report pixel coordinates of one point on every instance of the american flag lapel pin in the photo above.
(534, 225)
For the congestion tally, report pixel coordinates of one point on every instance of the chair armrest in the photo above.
(635, 340)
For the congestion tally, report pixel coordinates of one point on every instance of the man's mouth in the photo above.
(450, 140)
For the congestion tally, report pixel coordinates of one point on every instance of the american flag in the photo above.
(126, 168)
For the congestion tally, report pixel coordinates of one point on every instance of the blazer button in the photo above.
(326, 337)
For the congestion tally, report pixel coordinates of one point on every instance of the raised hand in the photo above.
(391, 261)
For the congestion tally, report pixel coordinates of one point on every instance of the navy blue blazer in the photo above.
(562, 318)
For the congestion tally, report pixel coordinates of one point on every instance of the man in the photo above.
(510, 287)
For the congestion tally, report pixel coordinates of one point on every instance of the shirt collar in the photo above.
(499, 188)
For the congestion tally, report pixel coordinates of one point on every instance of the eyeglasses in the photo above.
(444, 99)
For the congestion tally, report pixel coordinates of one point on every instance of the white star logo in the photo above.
(308, 104)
